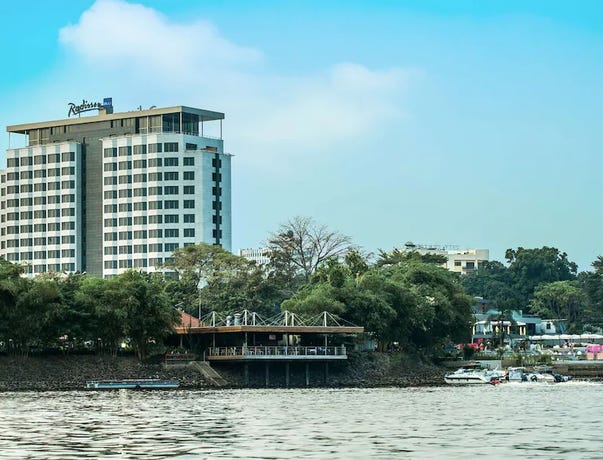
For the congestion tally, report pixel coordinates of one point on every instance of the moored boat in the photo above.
(134, 384)
(466, 376)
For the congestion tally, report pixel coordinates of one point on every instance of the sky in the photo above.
(475, 123)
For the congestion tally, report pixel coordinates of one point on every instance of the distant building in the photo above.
(260, 256)
(114, 191)
(459, 260)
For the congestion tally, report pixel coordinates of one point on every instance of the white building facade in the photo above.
(124, 193)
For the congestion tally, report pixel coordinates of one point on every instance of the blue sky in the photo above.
(475, 123)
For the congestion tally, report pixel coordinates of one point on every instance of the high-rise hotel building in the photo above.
(105, 193)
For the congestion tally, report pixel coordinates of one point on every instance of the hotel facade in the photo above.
(106, 193)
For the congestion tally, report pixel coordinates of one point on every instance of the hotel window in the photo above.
(216, 177)
(54, 158)
(68, 156)
(54, 199)
(67, 212)
(68, 253)
(140, 220)
(26, 161)
(170, 147)
(139, 164)
(26, 174)
(140, 206)
(154, 148)
(188, 189)
(216, 219)
(125, 193)
(189, 218)
(68, 239)
(156, 176)
(154, 162)
(140, 191)
(68, 226)
(26, 228)
(53, 227)
(39, 173)
(54, 212)
(155, 204)
(170, 190)
(40, 241)
(140, 178)
(26, 188)
(216, 162)
(107, 167)
(125, 165)
(126, 179)
(40, 160)
(53, 172)
(68, 198)
(110, 222)
(170, 161)
(156, 233)
(110, 152)
(125, 263)
(125, 207)
(112, 236)
(125, 249)
(12, 176)
(155, 191)
(156, 247)
(12, 162)
(110, 194)
(110, 250)
(125, 235)
(170, 247)
(171, 218)
(140, 234)
(40, 214)
(11, 189)
(173, 175)
(171, 233)
(110, 208)
(189, 204)
(68, 171)
(125, 221)
(216, 233)
(26, 241)
(188, 175)
(140, 263)
(190, 146)
(140, 149)
(26, 215)
(216, 191)
(188, 161)
(125, 151)
(110, 264)
(156, 219)
(26, 201)
(153, 262)
(170, 204)
(189, 232)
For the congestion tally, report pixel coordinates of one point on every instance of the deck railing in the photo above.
(277, 351)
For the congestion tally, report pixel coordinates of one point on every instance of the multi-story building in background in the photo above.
(458, 260)
(261, 256)
(114, 191)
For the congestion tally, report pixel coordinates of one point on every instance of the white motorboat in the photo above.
(466, 376)
(523, 375)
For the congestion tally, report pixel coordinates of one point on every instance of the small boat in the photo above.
(523, 375)
(465, 376)
(134, 384)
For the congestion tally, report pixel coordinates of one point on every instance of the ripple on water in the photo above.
(512, 421)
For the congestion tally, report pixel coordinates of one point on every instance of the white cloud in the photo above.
(114, 31)
(141, 57)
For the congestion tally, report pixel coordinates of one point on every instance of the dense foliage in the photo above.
(401, 298)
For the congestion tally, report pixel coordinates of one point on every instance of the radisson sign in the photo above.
(86, 106)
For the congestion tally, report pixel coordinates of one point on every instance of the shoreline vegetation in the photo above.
(71, 372)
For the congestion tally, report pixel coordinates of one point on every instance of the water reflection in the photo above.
(505, 421)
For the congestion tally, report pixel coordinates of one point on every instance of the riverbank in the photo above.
(45, 373)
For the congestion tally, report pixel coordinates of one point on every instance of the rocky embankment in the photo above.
(73, 371)
(42, 373)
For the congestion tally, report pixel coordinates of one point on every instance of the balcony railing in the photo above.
(277, 352)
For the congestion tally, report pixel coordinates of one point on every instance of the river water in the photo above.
(504, 421)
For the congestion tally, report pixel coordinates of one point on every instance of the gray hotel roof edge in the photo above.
(206, 115)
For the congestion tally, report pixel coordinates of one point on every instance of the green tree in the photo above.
(531, 267)
(559, 300)
(301, 245)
